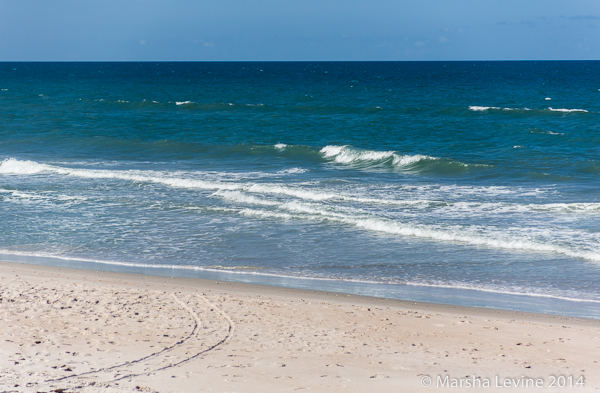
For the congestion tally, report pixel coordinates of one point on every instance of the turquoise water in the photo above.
(461, 182)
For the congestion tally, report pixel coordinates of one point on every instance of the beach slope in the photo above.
(69, 330)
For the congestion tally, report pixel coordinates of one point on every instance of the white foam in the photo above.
(565, 207)
(331, 151)
(487, 108)
(239, 197)
(321, 196)
(20, 196)
(254, 194)
(292, 191)
(548, 99)
(473, 190)
(183, 102)
(318, 210)
(280, 146)
(13, 166)
(538, 131)
(17, 167)
(483, 108)
(27, 195)
(501, 291)
(567, 110)
(493, 208)
(466, 235)
(457, 234)
(175, 179)
(292, 171)
(348, 155)
(230, 181)
(407, 160)
(232, 268)
(191, 181)
(265, 214)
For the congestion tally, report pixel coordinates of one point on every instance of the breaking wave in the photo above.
(349, 155)
(356, 208)
(477, 108)
(391, 160)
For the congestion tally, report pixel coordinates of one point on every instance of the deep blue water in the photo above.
(438, 181)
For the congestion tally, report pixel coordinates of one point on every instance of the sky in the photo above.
(298, 30)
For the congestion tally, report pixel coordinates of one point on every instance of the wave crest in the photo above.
(12, 166)
(348, 155)
(477, 108)
(567, 110)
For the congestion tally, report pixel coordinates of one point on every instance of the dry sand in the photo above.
(67, 330)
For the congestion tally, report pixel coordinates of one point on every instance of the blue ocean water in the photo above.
(473, 183)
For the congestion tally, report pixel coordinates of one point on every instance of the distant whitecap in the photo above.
(482, 108)
(567, 110)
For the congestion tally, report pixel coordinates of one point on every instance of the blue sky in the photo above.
(236, 30)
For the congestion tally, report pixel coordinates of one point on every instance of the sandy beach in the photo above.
(67, 330)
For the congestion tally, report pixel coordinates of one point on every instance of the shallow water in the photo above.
(458, 182)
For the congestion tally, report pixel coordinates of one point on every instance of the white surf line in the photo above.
(425, 231)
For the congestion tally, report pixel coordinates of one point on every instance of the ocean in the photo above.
(470, 183)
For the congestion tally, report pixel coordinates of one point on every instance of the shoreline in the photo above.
(297, 292)
(426, 294)
(83, 330)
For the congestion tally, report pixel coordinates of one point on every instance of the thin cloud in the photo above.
(585, 17)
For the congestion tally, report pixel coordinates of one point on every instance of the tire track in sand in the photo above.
(189, 348)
